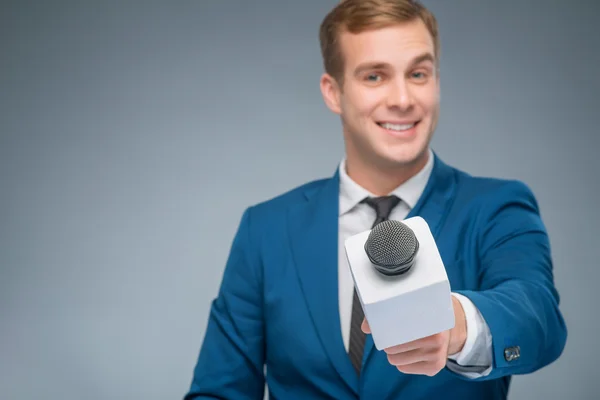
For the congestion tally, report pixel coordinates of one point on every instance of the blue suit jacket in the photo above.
(278, 301)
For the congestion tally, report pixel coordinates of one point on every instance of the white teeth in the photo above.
(395, 127)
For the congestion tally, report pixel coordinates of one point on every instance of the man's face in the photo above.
(389, 102)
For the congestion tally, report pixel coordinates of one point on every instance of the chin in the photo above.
(405, 157)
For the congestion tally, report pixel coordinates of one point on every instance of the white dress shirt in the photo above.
(355, 217)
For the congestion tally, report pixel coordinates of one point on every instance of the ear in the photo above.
(331, 93)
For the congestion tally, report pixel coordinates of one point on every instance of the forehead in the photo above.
(396, 44)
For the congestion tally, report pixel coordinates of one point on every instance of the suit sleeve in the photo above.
(475, 358)
(516, 296)
(231, 359)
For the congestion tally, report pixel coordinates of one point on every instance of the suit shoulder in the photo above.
(493, 189)
(496, 203)
(280, 203)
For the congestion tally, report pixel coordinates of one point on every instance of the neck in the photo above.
(383, 179)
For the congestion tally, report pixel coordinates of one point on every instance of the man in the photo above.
(287, 300)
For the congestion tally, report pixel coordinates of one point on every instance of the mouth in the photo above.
(400, 129)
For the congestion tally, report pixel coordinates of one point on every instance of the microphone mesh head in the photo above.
(391, 244)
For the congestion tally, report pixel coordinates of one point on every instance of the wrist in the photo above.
(458, 334)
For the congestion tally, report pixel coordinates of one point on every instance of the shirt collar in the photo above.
(351, 193)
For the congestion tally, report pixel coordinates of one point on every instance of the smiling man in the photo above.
(287, 299)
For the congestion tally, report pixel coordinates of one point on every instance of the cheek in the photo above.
(427, 108)
(364, 102)
(431, 100)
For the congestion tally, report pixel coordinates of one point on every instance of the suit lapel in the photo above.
(432, 207)
(314, 241)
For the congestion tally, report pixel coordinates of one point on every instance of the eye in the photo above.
(419, 75)
(373, 77)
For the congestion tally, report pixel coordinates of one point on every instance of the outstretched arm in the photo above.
(517, 297)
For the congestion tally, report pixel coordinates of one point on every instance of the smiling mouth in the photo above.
(397, 127)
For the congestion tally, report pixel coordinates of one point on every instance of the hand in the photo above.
(428, 356)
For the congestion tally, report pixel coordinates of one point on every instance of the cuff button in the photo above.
(512, 353)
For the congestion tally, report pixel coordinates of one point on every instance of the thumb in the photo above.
(365, 326)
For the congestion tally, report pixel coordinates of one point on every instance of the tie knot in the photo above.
(383, 205)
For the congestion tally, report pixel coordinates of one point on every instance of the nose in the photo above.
(400, 95)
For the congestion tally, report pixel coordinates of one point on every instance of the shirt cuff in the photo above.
(476, 353)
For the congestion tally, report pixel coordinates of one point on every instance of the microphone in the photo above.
(391, 247)
(401, 281)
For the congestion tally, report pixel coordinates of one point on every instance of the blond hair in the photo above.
(356, 16)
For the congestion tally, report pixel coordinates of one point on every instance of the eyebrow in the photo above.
(422, 58)
(380, 65)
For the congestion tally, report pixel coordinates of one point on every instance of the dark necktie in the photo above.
(383, 207)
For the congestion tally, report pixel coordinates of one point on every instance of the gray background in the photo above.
(132, 136)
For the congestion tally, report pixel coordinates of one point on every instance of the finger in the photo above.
(365, 326)
(411, 357)
(403, 348)
(420, 368)
(428, 368)
(428, 342)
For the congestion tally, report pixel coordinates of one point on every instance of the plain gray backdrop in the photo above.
(133, 135)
